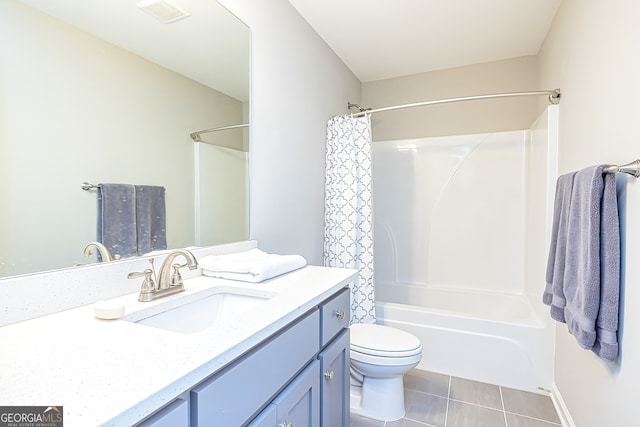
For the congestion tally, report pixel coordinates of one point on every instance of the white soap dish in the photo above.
(109, 309)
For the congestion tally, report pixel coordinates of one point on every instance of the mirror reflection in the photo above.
(103, 92)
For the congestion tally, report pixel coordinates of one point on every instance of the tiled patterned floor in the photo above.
(437, 400)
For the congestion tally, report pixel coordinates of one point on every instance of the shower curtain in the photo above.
(348, 230)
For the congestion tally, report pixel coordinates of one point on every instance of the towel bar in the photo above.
(86, 186)
(632, 168)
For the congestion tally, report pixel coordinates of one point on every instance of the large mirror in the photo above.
(104, 91)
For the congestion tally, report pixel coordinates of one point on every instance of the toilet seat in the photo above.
(383, 341)
(384, 360)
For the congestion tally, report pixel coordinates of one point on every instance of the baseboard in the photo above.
(561, 407)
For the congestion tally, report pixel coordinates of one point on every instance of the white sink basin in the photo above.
(198, 315)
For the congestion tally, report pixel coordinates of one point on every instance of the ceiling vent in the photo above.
(162, 10)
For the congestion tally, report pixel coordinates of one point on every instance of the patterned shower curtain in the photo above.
(348, 211)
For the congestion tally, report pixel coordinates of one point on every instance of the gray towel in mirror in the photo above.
(131, 218)
(150, 218)
(117, 219)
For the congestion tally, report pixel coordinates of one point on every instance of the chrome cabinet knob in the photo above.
(328, 375)
(340, 314)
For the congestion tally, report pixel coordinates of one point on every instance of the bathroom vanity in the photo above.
(282, 362)
(305, 366)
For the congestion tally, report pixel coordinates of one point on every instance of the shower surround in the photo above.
(461, 233)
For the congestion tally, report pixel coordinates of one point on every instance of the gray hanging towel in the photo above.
(606, 345)
(554, 291)
(592, 273)
(150, 218)
(583, 274)
(117, 219)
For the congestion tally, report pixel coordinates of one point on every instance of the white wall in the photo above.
(541, 167)
(297, 84)
(431, 194)
(74, 108)
(510, 75)
(592, 52)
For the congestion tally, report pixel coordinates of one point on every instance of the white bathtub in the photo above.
(462, 226)
(488, 337)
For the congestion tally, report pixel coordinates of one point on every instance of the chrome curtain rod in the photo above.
(632, 168)
(554, 98)
(196, 135)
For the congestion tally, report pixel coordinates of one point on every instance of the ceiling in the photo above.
(376, 39)
(211, 46)
(381, 39)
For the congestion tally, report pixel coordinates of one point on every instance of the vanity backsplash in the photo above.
(34, 295)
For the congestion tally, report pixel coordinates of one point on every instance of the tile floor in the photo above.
(436, 400)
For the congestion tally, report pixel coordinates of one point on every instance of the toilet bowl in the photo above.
(380, 356)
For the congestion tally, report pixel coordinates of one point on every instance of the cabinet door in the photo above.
(267, 418)
(299, 404)
(334, 366)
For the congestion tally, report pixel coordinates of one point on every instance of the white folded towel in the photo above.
(250, 266)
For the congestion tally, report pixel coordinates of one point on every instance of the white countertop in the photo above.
(115, 372)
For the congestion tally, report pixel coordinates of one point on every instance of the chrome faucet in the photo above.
(168, 284)
(105, 255)
(165, 278)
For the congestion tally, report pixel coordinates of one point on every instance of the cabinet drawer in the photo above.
(334, 316)
(233, 396)
(175, 414)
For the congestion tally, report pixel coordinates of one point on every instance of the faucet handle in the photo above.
(176, 277)
(148, 287)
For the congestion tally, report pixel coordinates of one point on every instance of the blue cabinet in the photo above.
(267, 418)
(319, 396)
(297, 377)
(334, 316)
(334, 389)
(299, 404)
(233, 396)
(175, 414)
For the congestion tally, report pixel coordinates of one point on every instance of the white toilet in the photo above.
(380, 356)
